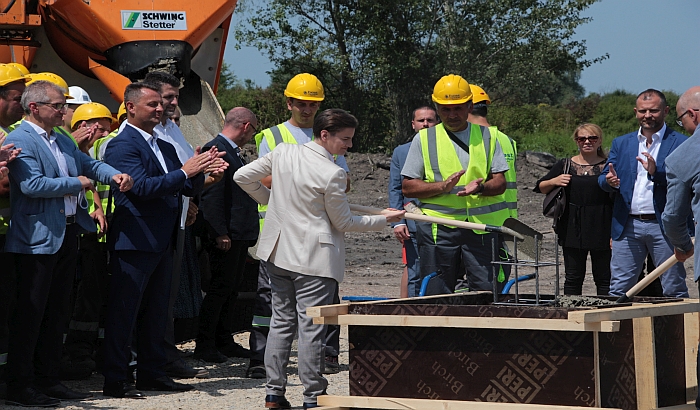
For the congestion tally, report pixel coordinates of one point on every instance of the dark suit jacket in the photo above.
(623, 156)
(145, 218)
(396, 198)
(226, 207)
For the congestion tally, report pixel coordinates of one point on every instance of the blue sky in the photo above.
(652, 44)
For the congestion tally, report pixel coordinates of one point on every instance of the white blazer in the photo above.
(307, 209)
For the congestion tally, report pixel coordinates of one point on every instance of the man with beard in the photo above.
(640, 197)
(48, 182)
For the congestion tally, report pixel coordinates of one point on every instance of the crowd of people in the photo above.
(122, 212)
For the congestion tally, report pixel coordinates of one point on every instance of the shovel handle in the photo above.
(442, 221)
(648, 279)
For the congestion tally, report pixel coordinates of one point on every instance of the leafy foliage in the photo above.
(379, 60)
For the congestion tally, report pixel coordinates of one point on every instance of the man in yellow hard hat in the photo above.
(456, 174)
(304, 94)
(83, 329)
(12, 84)
(478, 115)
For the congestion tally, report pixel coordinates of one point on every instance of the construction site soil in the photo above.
(373, 268)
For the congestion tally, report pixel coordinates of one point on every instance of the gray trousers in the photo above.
(638, 239)
(292, 293)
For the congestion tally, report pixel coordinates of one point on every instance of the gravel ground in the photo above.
(225, 388)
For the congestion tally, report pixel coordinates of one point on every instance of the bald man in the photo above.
(683, 177)
(232, 221)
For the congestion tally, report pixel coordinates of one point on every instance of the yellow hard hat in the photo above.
(122, 111)
(452, 90)
(305, 86)
(10, 74)
(91, 111)
(52, 78)
(479, 95)
(20, 67)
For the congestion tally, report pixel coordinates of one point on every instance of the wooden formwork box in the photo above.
(461, 352)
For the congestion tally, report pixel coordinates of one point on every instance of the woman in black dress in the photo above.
(585, 225)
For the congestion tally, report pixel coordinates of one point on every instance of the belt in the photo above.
(644, 217)
(70, 219)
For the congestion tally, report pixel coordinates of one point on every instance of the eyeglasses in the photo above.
(55, 106)
(255, 130)
(678, 120)
(592, 139)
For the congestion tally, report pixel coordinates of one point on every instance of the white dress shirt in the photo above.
(70, 202)
(172, 134)
(643, 194)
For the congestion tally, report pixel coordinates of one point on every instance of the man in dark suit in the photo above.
(141, 241)
(405, 230)
(636, 174)
(231, 216)
(48, 181)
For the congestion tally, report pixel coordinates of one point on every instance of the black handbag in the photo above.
(555, 202)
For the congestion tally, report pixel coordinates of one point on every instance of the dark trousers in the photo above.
(8, 287)
(90, 300)
(171, 351)
(575, 270)
(227, 268)
(262, 313)
(41, 314)
(452, 251)
(139, 292)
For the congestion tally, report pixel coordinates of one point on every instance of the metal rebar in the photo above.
(556, 266)
(515, 265)
(537, 270)
(494, 267)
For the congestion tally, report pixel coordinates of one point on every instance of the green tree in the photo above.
(380, 60)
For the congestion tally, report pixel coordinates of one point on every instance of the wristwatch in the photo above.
(480, 190)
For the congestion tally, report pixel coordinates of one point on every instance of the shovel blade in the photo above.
(527, 248)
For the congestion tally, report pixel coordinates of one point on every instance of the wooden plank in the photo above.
(645, 363)
(342, 309)
(692, 336)
(328, 310)
(396, 403)
(689, 406)
(635, 311)
(469, 322)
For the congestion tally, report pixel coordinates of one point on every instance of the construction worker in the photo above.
(456, 174)
(84, 327)
(12, 84)
(478, 115)
(80, 135)
(304, 94)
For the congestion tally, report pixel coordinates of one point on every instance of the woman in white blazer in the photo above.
(302, 242)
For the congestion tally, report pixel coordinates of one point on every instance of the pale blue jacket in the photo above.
(38, 222)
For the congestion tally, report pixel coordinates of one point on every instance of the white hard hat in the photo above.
(79, 95)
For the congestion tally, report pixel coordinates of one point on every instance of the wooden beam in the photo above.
(645, 363)
(395, 403)
(691, 335)
(635, 311)
(328, 310)
(469, 322)
(596, 368)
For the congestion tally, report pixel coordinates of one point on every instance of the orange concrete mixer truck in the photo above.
(103, 45)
